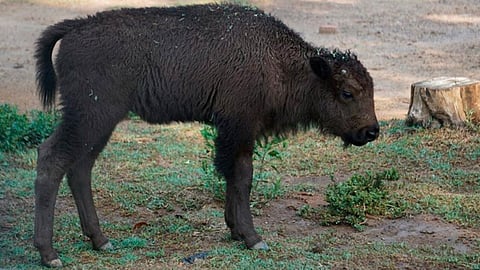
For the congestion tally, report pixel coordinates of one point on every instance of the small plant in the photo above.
(20, 131)
(351, 201)
(470, 122)
(264, 150)
(213, 181)
(268, 149)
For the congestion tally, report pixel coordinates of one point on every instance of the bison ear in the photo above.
(320, 67)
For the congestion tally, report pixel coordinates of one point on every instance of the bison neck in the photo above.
(293, 111)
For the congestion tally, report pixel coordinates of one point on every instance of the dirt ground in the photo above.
(400, 42)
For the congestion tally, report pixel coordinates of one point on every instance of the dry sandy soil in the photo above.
(400, 42)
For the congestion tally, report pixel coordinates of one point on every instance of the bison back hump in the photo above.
(180, 63)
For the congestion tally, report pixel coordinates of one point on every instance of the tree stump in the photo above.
(444, 101)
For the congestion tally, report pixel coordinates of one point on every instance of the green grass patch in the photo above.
(162, 177)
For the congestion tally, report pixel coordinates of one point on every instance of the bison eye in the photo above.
(347, 95)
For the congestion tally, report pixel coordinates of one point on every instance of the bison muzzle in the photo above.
(234, 67)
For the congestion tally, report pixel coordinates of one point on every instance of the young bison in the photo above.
(235, 67)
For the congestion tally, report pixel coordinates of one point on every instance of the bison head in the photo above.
(343, 92)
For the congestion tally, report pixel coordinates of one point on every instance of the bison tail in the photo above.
(46, 78)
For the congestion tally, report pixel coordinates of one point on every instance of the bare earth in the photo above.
(400, 42)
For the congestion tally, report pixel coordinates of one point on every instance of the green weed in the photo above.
(471, 123)
(213, 181)
(20, 131)
(361, 195)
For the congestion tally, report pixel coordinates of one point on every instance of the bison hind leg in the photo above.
(71, 150)
(79, 180)
(51, 164)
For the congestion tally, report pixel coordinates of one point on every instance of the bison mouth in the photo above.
(361, 136)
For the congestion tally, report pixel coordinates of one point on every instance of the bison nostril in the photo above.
(372, 134)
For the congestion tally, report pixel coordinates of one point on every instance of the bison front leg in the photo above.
(237, 206)
(234, 161)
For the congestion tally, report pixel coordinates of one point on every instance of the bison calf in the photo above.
(234, 67)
